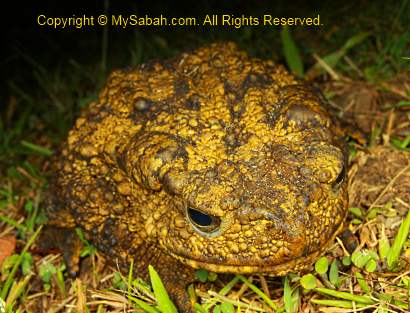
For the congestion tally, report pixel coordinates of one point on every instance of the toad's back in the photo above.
(212, 159)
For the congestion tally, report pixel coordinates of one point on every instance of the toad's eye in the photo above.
(339, 179)
(203, 222)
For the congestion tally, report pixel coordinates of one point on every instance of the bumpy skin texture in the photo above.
(214, 131)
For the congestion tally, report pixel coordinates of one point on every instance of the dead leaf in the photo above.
(7, 247)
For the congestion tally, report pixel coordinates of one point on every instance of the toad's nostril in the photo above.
(202, 221)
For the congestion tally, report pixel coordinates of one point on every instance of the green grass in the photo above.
(164, 302)
(328, 281)
(291, 53)
(5, 290)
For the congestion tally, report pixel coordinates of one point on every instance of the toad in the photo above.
(211, 159)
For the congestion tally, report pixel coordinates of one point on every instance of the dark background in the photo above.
(52, 48)
(48, 75)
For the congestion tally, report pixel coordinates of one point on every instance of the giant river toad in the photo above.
(211, 159)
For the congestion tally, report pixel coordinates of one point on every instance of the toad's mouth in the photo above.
(292, 265)
(279, 269)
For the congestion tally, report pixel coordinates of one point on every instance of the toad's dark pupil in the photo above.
(200, 218)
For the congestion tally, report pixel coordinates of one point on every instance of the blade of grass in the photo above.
(338, 303)
(164, 302)
(199, 308)
(60, 281)
(236, 302)
(224, 291)
(287, 296)
(291, 52)
(384, 245)
(401, 144)
(259, 292)
(334, 274)
(130, 273)
(17, 290)
(394, 252)
(145, 306)
(36, 148)
(13, 223)
(332, 59)
(143, 288)
(16, 265)
(346, 296)
(402, 103)
(362, 282)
